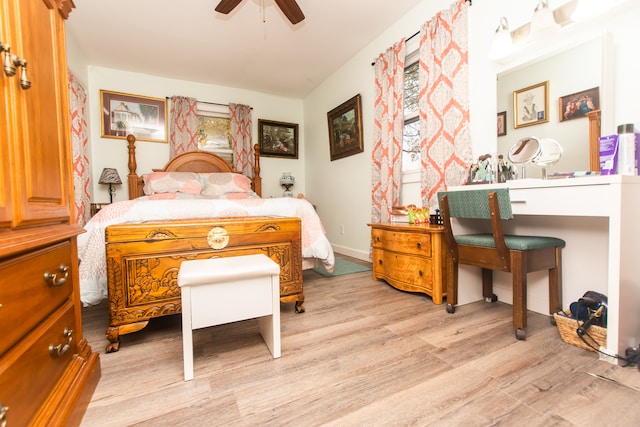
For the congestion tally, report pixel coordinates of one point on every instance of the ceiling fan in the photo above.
(289, 7)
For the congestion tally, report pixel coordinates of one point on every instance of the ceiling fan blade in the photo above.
(291, 10)
(226, 6)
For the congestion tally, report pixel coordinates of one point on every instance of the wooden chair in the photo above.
(518, 255)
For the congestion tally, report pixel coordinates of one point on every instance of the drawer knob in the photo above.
(59, 350)
(380, 262)
(420, 273)
(3, 415)
(53, 279)
(419, 244)
(378, 238)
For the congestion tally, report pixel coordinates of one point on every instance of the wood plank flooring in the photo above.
(363, 354)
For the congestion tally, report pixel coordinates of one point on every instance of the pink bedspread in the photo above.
(91, 245)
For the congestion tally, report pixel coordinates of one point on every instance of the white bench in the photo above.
(216, 291)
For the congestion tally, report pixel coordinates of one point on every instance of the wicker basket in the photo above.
(567, 327)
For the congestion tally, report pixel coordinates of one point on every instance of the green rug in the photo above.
(342, 267)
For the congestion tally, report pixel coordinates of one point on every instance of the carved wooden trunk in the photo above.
(143, 262)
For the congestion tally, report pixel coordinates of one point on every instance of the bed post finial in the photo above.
(257, 179)
(132, 177)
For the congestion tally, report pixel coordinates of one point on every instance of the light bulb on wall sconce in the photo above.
(502, 42)
(287, 181)
(589, 8)
(543, 23)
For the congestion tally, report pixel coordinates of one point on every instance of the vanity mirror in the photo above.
(539, 152)
(574, 69)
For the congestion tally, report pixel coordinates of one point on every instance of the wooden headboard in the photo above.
(192, 161)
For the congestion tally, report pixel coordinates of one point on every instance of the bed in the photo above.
(195, 207)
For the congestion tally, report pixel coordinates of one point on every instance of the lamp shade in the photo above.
(543, 21)
(109, 176)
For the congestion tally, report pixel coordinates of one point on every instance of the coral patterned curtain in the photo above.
(445, 140)
(80, 149)
(183, 120)
(387, 132)
(241, 143)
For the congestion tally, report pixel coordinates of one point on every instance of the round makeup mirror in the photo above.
(525, 151)
(540, 152)
(550, 153)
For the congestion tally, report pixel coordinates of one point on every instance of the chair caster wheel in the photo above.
(521, 334)
(493, 298)
(451, 309)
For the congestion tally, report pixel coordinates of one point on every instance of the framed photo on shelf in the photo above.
(278, 139)
(502, 123)
(531, 105)
(345, 129)
(579, 104)
(142, 116)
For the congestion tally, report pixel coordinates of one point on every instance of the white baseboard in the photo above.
(361, 255)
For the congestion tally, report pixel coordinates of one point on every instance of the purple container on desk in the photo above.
(608, 154)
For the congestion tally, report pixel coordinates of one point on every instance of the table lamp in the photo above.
(110, 176)
(287, 181)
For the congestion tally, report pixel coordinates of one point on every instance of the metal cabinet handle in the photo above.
(10, 63)
(25, 83)
(3, 415)
(52, 278)
(59, 350)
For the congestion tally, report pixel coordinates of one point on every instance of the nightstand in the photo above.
(411, 257)
(95, 207)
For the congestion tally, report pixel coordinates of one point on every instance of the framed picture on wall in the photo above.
(579, 104)
(531, 105)
(278, 139)
(142, 116)
(345, 129)
(502, 123)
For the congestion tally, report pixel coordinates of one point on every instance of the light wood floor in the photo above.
(363, 354)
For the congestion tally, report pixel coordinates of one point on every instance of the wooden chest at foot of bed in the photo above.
(143, 260)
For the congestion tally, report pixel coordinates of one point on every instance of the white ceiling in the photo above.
(188, 40)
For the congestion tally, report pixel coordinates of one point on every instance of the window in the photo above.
(214, 130)
(411, 128)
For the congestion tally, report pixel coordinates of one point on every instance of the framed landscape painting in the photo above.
(345, 129)
(278, 139)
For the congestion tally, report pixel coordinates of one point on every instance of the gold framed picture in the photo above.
(345, 129)
(142, 116)
(531, 105)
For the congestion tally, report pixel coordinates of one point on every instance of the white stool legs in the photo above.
(224, 290)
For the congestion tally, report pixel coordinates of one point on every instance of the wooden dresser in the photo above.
(47, 370)
(410, 257)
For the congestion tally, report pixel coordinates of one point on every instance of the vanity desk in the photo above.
(599, 218)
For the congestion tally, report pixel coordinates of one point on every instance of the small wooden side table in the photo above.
(95, 207)
(411, 257)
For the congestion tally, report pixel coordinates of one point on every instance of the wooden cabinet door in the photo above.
(6, 209)
(38, 116)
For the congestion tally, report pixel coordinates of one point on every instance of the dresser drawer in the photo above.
(25, 296)
(29, 371)
(415, 274)
(405, 242)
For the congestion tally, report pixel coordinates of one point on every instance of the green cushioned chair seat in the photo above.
(518, 243)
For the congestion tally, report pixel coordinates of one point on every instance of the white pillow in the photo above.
(172, 182)
(221, 183)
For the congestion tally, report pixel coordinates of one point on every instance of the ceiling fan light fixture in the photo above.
(290, 9)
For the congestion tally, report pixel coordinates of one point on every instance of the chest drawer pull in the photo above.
(3, 415)
(419, 245)
(52, 278)
(59, 350)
